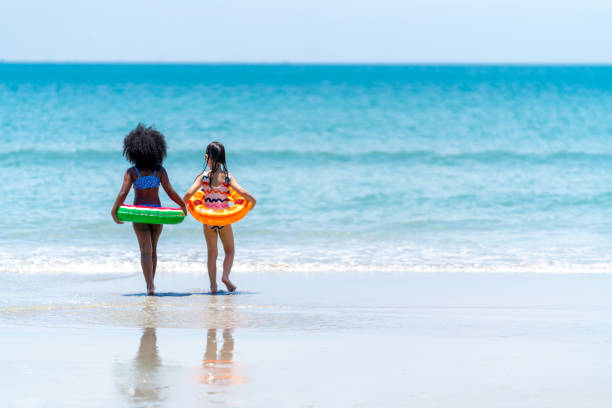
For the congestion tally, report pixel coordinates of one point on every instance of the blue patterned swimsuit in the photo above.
(150, 181)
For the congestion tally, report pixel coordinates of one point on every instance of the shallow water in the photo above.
(422, 168)
(305, 302)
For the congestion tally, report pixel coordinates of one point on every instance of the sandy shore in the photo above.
(308, 340)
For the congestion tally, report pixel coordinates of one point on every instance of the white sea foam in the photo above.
(175, 257)
(130, 265)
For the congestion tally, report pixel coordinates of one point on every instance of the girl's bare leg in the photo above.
(210, 355)
(227, 350)
(227, 239)
(211, 244)
(156, 230)
(143, 233)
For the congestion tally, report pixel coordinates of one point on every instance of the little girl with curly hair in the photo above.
(145, 148)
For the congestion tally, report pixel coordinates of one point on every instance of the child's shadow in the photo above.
(160, 294)
(224, 293)
(183, 294)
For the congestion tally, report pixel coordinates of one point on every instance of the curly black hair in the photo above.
(145, 147)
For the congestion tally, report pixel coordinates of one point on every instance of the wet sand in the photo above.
(423, 340)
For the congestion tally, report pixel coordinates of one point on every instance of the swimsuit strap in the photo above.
(137, 172)
(206, 177)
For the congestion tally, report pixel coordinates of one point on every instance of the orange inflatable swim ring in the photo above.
(209, 216)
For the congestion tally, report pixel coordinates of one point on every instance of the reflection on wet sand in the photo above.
(144, 381)
(149, 312)
(140, 384)
(219, 367)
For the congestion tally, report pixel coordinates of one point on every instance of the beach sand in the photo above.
(338, 339)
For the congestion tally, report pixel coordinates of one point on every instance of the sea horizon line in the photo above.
(307, 63)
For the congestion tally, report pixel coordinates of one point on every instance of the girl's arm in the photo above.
(197, 183)
(234, 184)
(125, 189)
(165, 182)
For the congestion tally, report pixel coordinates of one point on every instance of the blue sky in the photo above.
(307, 31)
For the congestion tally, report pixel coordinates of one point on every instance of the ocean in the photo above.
(355, 167)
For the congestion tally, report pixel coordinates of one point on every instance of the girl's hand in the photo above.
(114, 214)
(165, 182)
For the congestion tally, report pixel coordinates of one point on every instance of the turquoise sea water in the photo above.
(403, 168)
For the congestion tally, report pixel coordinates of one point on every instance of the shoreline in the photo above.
(291, 339)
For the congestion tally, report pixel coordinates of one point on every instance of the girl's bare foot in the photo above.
(230, 286)
(213, 288)
(150, 290)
